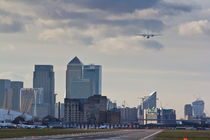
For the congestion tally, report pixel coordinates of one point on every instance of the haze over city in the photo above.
(175, 64)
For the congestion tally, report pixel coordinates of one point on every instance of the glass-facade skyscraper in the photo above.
(198, 108)
(44, 78)
(74, 71)
(16, 86)
(5, 84)
(149, 102)
(93, 72)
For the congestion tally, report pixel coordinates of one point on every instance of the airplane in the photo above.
(148, 35)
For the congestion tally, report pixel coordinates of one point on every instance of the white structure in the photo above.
(198, 108)
(35, 97)
(12, 115)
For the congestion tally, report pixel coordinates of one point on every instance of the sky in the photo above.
(176, 64)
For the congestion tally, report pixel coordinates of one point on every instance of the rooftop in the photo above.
(75, 60)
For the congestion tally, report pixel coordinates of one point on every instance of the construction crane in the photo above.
(10, 101)
(124, 104)
(27, 101)
(23, 100)
(29, 107)
(5, 98)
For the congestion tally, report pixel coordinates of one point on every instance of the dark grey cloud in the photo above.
(125, 6)
(152, 44)
(174, 8)
(116, 6)
(15, 26)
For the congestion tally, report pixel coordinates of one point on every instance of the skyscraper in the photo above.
(16, 86)
(198, 108)
(149, 102)
(188, 111)
(93, 72)
(80, 89)
(74, 71)
(44, 78)
(5, 85)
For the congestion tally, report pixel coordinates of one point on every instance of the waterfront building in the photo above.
(149, 102)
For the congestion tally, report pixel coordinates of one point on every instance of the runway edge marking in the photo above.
(151, 135)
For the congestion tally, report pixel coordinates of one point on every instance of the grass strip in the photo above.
(17, 133)
(181, 134)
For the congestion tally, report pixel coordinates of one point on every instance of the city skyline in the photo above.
(174, 64)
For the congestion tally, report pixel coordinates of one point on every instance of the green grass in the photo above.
(15, 133)
(180, 134)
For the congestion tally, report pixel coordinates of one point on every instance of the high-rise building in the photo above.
(198, 108)
(80, 89)
(74, 71)
(93, 72)
(16, 86)
(188, 113)
(149, 102)
(5, 92)
(44, 78)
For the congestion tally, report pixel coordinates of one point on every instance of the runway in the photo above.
(132, 134)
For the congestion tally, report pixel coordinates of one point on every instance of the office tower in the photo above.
(198, 108)
(80, 89)
(93, 72)
(168, 116)
(5, 85)
(32, 102)
(149, 102)
(16, 86)
(74, 71)
(188, 112)
(44, 78)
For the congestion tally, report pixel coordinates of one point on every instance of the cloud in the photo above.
(173, 8)
(201, 27)
(115, 6)
(8, 24)
(124, 45)
(152, 44)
